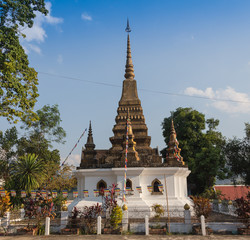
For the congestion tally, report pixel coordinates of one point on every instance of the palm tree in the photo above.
(28, 172)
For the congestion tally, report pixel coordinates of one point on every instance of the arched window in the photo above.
(155, 185)
(129, 184)
(101, 185)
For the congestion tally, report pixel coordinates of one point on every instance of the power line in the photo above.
(141, 89)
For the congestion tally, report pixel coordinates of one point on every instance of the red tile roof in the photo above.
(232, 192)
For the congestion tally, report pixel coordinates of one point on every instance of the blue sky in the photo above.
(197, 48)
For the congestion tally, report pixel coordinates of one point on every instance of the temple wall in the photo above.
(176, 179)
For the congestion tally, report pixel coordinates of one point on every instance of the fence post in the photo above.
(64, 219)
(203, 226)
(99, 225)
(146, 225)
(187, 221)
(220, 207)
(7, 219)
(187, 216)
(125, 221)
(47, 226)
(22, 213)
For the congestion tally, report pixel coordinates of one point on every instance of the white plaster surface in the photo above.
(139, 204)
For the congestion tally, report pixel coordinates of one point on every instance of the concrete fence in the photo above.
(141, 226)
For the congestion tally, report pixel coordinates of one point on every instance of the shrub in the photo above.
(158, 209)
(38, 208)
(110, 201)
(243, 209)
(116, 217)
(211, 193)
(201, 206)
(73, 223)
(89, 215)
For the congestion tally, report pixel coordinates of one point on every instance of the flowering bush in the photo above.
(4, 204)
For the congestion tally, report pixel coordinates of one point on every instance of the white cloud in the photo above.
(37, 33)
(86, 17)
(34, 48)
(74, 159)
(241, 104)
(60, 58)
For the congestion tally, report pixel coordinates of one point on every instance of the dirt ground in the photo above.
(129, 237)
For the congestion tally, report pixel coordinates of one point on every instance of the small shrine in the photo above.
(130, 162)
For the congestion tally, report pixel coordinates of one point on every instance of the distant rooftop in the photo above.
(233, 192)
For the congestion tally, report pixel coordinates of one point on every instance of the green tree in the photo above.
(48, 125)
(8, 141)
(201, 150)
(59, 178)
(28, 172)
(42, 133)
(18, 81)
(38, 140)
(237, 152)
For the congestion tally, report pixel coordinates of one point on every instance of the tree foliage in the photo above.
(237, 153)
(48, 125)
(201, 150)
(27, 172)
(18, 81)
(59, 178)
(38, 139)
(42, 133)
(8, 141)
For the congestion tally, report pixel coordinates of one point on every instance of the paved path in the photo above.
(129, 237)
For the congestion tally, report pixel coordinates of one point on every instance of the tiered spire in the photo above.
(88, 157)
(90, 135)
(173, 151)
(140, 152)
(132, 154)
(129, 70)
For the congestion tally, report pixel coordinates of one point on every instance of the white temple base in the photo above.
(139, 204)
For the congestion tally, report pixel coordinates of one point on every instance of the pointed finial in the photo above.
(128, 29)
(129, 68)
(90, 136)
(172, 129)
